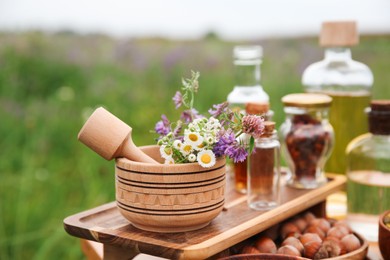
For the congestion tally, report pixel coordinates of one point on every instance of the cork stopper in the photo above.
(256, 108)
(380, 105)
(269, 128)
(379, 117)
(307, 100)
(339, 34)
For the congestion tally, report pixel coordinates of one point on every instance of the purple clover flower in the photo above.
(253, 125)
(177, 131)
(226, 139)
(237, 153)
(178, 99)
(219, 109)
(163, 126)
(189, 115)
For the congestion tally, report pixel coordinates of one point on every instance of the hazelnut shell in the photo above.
(309, 237)
(311, 248)
(322, 223)
(288, 250)
(316, 230)
(350, 242)
(265, 245)
(287, 228)
(293, 241)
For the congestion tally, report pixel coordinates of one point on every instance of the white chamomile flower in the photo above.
(177, 144)
(165, 151)
(186, 148)
(192, 157)
(200, 147)
(191, 127)
(169, 160)
(212, 121)
(193, 138)
(206, 158)
(210, 139)
(197, 121)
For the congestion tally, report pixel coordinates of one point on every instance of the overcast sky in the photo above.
(238, 19)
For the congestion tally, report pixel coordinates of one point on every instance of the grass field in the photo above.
(49, 84)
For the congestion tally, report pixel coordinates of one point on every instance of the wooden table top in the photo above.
(236, 223)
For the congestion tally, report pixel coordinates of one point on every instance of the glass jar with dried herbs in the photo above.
(307, 138)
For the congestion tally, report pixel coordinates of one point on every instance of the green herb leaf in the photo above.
(251, 144)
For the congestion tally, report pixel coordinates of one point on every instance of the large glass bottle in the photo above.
(247, 93)
(368, 172)
(349, 84)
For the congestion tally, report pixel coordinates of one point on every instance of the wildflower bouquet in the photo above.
(196, 138)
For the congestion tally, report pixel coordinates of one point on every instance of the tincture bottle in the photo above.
(368, 172)
(264, 170)
(246, 95)
(349, 84)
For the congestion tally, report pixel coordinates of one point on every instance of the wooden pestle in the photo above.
(110, 137)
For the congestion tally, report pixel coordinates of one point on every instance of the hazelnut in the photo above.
(311, 248)
(288, 228)
(293, 241)
(301, 223)
(288, 250)
(322, 253)
(332, 221)
(265, 245)
(308, 216)
(342, 223)
(249, 250)
(272, 232)
(337, 231)
(293, 234)
(315, 230)
(322, 223)
(309, 237)
(350, 242)
(332, 247)
(336, 239)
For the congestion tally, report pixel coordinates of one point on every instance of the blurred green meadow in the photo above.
(50, 84)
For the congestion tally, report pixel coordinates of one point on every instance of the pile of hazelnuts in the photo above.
(308, 236)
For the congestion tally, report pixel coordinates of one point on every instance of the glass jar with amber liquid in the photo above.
(307, 138)
(349, 84)
(368, 172)
(247, 96)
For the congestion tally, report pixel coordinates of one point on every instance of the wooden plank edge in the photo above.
(75, 226)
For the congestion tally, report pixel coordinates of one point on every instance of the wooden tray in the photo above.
(236, 223)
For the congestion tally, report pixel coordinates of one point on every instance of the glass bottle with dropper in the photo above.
(247, 93)
(348, 82)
